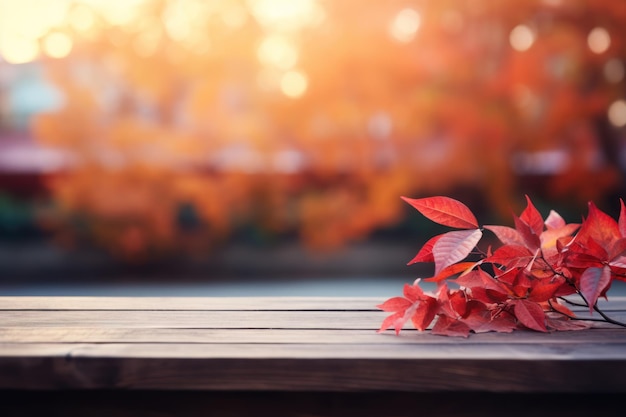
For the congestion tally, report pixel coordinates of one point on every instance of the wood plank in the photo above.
(504, 368)
(202, 319)
(494, 352)
(80, 335)
(220, 303)
(195, 319)
(190, 303)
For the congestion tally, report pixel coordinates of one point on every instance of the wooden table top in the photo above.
(285, 344)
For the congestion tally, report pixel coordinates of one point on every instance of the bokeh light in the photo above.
(57, 45)
(294, 84)
(405, 25)
(522, 37)
(599, 40)
(617, 113)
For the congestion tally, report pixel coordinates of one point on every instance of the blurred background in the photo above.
(258, 144)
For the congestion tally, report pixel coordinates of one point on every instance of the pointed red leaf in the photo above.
(413, 292)
(453, 247)
(451, 270)
(593, 282)
(530, 315)
(446, 326)
(554, 220)
(395, 320)
(619, 262)
(445, 211)
(488, 296)
(562, 309)
(479, 278)
(599, 226)
(426, 252)
(500, 324)
(507, 235)
(544, 290)
(424, 314)
(395, 304)
(551, 236)
(618, 249)
(511, 256)
(481, 320)
(622, 218)
(532, 217)
(530, 238)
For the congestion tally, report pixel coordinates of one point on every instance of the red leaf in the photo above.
(619, 262)
(446, 326)
(452, 270)
(507, 235)
(426, 253)
(530, 315)
(530, 238)
(599, 226)
(453, 247)
(500, 324)
(622, 218)
(618, 249)
(488, 296)
(445, 211)
(392, 321)
(532, 217)
(479, 278)
(593, 282)
(395, 304)
(560, 308)
(481, 320)
(511, 256)
(413, 292)
(424, 314)
(550, 237)
(544, 290)
(554, 220)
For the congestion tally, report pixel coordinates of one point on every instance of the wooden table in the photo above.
(289, 356)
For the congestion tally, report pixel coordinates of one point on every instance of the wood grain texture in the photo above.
(284, 344)
(28, 335)
(190, 303)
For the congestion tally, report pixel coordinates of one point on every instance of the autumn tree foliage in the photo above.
(190, 120)
(523, 282)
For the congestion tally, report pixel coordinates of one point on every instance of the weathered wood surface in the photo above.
(285, 344)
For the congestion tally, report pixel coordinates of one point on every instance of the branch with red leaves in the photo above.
(522, 284)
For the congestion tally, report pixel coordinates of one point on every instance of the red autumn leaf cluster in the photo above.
(520, 284)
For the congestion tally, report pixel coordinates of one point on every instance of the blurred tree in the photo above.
(191, 119)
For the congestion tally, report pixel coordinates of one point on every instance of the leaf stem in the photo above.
(599, 311)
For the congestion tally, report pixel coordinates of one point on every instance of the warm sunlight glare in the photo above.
(405, 25)
(23, 23)
(286, 14)
(57, 45)
(17, 49)
(277, 51)
(81, 18)
(294, 84)
(234, 16)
